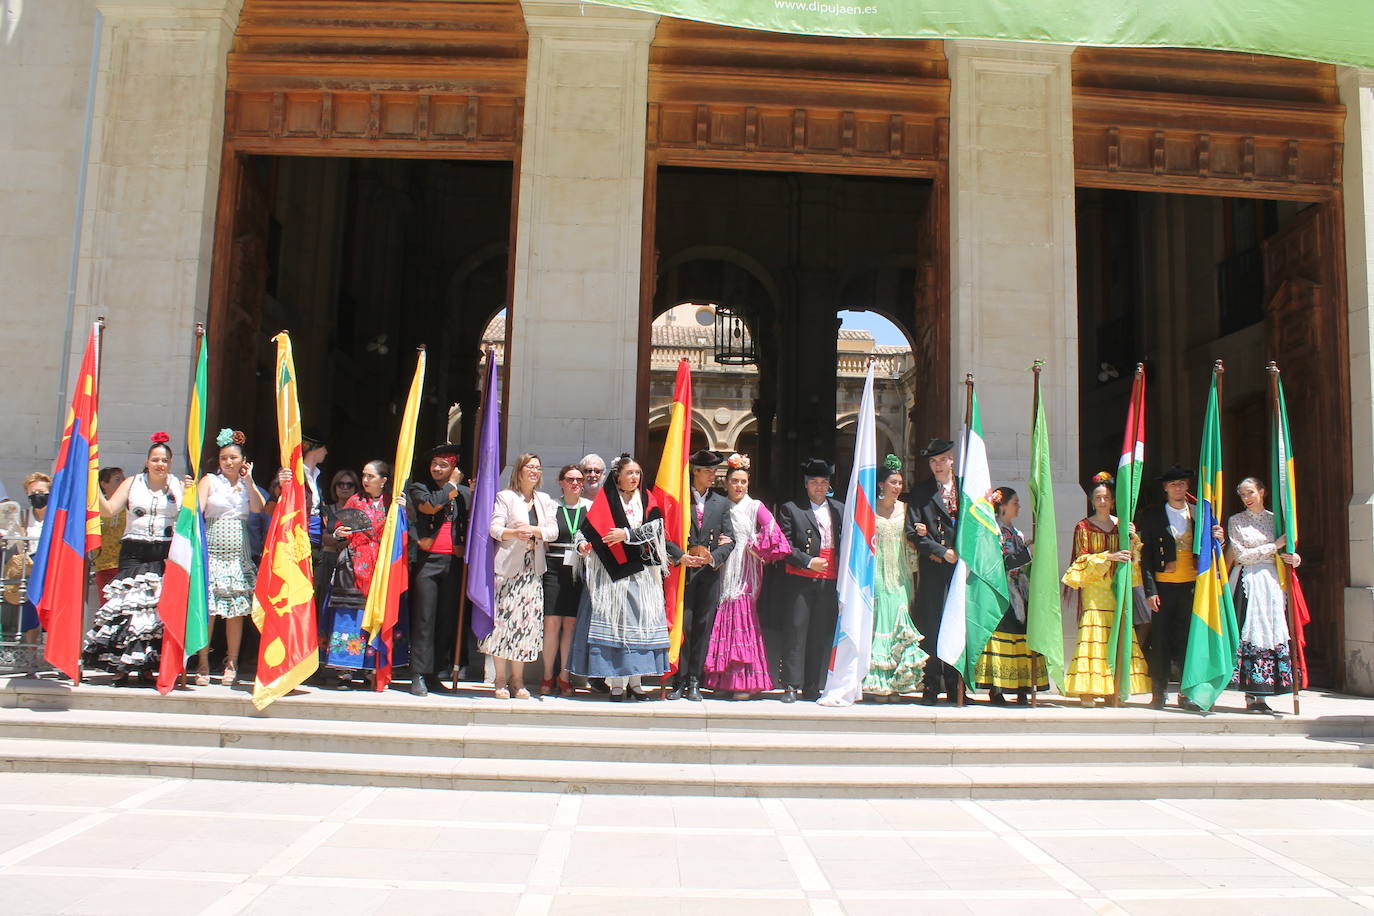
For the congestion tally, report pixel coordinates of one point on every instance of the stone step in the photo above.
(1327, 716)
(519, 740)
(28, 755)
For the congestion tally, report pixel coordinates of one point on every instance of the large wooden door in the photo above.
(1305, 336)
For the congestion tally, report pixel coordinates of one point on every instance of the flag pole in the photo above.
(1035, 412)
(463, 582)
(968, 425)
(86, 557)
(192, 459)
(1285, 580)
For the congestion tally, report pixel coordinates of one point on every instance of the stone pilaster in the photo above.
(573, 364)
(1357, 93)
(150, 208)
(1013, 255)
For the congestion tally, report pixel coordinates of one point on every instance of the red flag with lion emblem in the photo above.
(284, 598)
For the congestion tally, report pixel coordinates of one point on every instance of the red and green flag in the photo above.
(184, 604)
(1128, 473)
(1213, 637)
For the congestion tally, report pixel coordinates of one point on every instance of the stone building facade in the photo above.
(339, 167)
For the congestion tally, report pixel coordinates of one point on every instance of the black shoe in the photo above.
(435, 683)
(676, 692)
(1157, 701)
(789, 694)
(597, 685)
(693, 692)
(930, 698)
(811, 696)
(996, 698)
(1187, 704)
(617, 697)
(417, 686)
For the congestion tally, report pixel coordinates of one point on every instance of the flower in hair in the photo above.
(892, 463)
(159, 438)
(995, 497)
(1102, 477)
(738, 462)
(225, 437)
(239, 437)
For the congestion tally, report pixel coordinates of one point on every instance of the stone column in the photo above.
(1357, 93)
(574, 352)
(149, 216)
(1013, 256)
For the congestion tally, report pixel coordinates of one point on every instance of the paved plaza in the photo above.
(107, 845)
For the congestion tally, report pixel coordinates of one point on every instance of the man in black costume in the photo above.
(710, 539)
(809, 603)
(438, 524)
(932, 519)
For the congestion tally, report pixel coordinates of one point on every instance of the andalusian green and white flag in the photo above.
(1044, 612)
(977, 596)
(1335, 31)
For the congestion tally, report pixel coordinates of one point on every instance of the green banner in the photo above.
(1336, 31)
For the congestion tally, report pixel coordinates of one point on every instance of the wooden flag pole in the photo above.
(463, 582)
(1035, 412)
(968, 423)
(1285, 580)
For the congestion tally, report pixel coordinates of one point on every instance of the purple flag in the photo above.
(481, 549)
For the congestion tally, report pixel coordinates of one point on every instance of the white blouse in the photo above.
(1251, 535)
(152, 513)
(226, 500)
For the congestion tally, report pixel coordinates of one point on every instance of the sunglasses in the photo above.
(345, 485)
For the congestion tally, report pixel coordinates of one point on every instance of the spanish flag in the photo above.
(284, 597)
(673, 493)
(392, 578)
(184, 604)
(72, 527)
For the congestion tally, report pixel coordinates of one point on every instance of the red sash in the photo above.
(828, 555)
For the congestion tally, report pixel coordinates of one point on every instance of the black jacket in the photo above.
(425, 525)
(715, 525)
(1159, 547)
(798, 524)
(926, 506)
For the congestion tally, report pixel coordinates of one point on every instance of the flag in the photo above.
(1044, 620)
(978, 595)
(481, 549)
(1213, 638)
(71, 527)
(1128, 474)
(184, 604)
(284, 597)
(673, 491)
(850, 652)
(392, 577)
(1285, 508)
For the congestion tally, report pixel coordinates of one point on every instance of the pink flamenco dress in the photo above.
(737, 661)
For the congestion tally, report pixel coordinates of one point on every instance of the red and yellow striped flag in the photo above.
(673, 491)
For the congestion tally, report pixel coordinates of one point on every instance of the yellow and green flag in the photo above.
(1213, 637)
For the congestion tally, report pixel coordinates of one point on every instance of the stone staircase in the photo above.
(470, 740)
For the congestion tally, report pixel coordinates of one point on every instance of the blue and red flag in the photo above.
(71, 529)
(392, 578)
(481, 549)
(849, 654)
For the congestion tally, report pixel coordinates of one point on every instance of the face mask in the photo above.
(38, 500)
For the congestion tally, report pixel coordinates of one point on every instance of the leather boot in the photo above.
(693, 691)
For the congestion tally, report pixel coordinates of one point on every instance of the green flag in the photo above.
(1044, 619)
(1213, 638)
(978, 595)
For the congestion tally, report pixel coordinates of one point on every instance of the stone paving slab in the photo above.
(100, 845)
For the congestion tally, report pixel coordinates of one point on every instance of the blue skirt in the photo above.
(348, 646)
(596, 660)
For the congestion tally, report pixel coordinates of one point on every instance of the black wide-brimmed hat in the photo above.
(937, 446)
(817, 467)
(705, 458)
(446, 450)
(1177, 472)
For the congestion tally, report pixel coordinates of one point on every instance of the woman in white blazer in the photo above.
(523, 521)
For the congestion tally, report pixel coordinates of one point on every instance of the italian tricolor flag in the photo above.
(184, 603)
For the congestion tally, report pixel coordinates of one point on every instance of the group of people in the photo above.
(580, 579)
